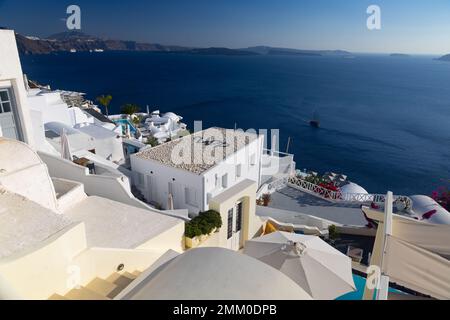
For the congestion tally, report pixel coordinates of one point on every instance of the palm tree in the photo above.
(130, 108)
(105, 101)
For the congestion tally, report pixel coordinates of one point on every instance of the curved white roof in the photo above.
(217, 273)
(352, 188)
(172, 116)
(57, 127)
(157, 120)
(24, 173)
(424, 204)
(22, 154)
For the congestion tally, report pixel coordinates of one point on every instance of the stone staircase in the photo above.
(100, 289)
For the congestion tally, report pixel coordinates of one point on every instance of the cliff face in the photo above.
(66, 41)
(81, 42)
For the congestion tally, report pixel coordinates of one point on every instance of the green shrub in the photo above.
(333, 234)
(203, 224)
(152, 141)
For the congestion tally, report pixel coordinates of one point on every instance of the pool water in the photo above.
(360, 283)
(123, 122)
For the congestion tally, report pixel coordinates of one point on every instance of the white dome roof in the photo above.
(172, 116)
(217, 274)
(23, 155)
(424, 204)
(352, 188)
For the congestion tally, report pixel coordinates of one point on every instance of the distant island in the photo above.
(444, 58)
(400, 55)
(76, 41)
(264, 50)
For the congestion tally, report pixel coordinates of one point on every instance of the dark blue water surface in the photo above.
(385, 122)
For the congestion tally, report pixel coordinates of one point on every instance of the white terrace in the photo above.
(53, 226)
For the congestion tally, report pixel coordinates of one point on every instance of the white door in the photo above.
(7, 121)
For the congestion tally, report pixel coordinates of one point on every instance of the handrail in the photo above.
(344, 197)
(269, 151)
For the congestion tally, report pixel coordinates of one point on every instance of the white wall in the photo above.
(45, 270)
(11, 76)
(248, 171)
(112, 187)
(51, 106)
(155, 187)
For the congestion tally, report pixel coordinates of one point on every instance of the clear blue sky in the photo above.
(409, 26)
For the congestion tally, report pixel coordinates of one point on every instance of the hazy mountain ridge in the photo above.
(444, 58)
(399, 55)
(81, 42)
(265, 50)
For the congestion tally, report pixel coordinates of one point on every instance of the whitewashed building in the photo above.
(50, 113)
(158, 171)
(214, 169)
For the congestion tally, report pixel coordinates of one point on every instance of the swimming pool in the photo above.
(124, 122)
(360, 283)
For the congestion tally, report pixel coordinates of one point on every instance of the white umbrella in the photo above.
(65, 146)
(322, 271)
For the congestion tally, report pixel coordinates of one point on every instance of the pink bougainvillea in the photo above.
(442, 196)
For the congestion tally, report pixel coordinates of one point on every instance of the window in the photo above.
(190, 196)
(140, 179)
(216, 181)
(230, 224)
(239, 216)
(238, 170)
(225, 180)
(5, 102)
(253, 159)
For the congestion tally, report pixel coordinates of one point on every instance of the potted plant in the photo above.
(266, 198)
(201, 227)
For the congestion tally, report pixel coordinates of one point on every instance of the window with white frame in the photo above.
(253, 159)
(216, 180)
(225, 180)
(238, 170)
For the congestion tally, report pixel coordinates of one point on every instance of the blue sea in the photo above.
(385, 121)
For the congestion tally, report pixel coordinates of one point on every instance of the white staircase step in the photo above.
(136, 273)
(121, 279)
(103, 287)
(84, 294)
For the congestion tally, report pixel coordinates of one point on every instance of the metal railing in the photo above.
(328, 194)
(315, 189)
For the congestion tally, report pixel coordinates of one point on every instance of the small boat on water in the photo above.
(315, 122)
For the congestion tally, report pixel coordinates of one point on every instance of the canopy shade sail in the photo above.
(416, 268)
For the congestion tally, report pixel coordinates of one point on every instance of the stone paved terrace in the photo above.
(295, 200)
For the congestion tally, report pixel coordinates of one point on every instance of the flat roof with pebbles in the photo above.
(200, 151)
